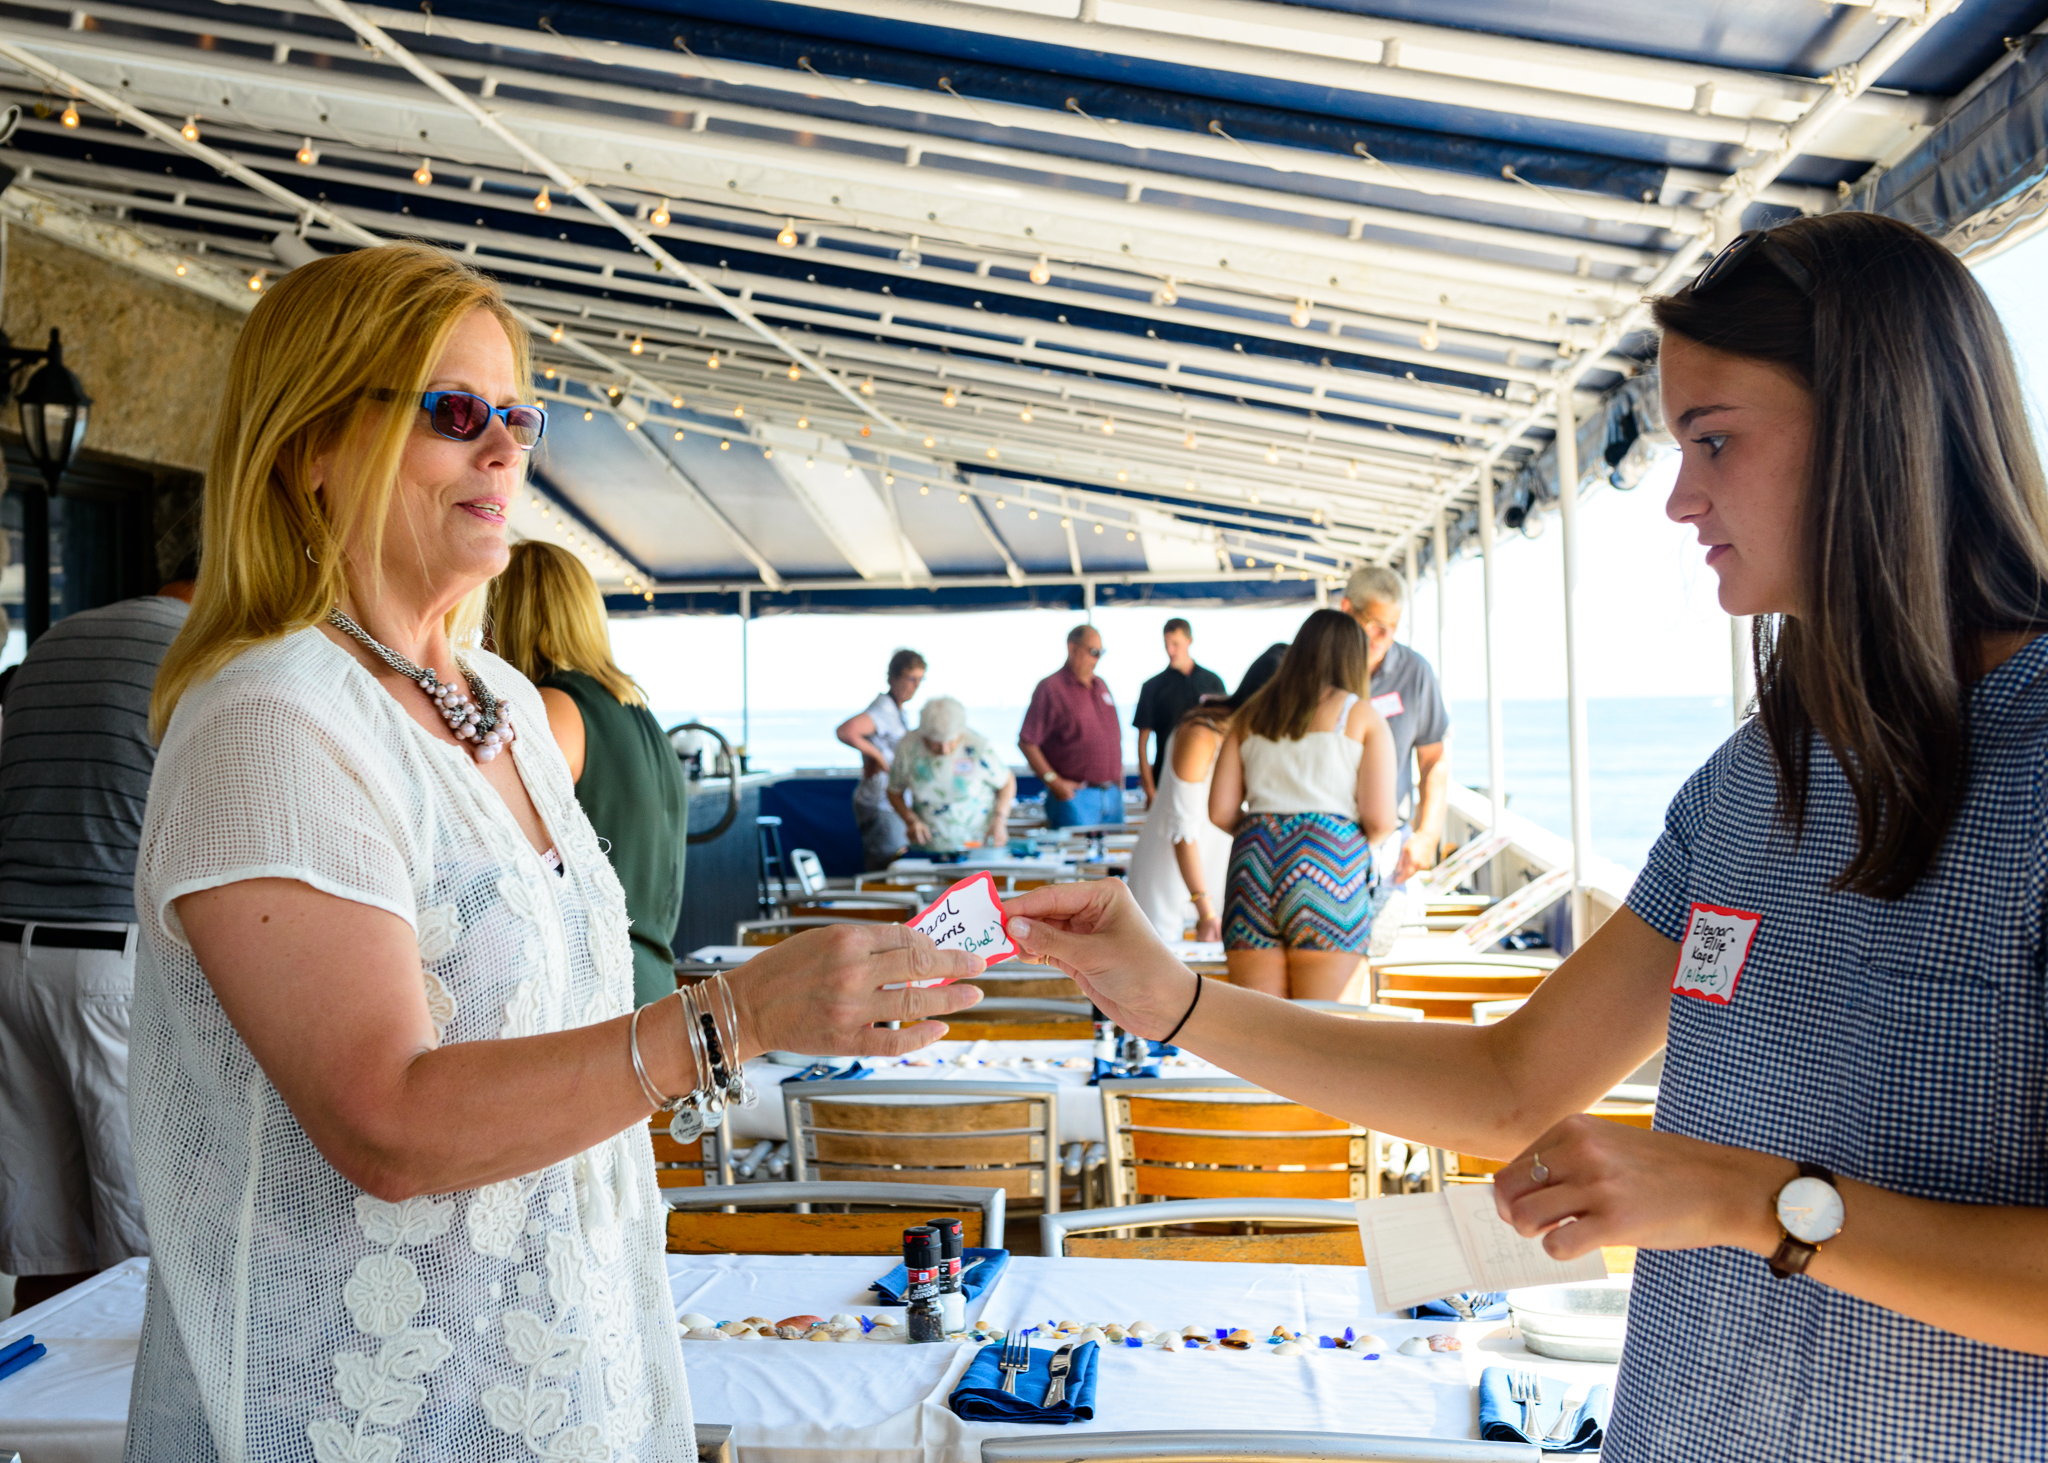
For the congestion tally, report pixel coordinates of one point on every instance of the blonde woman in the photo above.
(388, 1088)
(547, 620)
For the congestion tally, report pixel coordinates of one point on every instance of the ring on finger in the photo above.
(1537, 1172)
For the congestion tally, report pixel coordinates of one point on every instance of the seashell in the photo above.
(1195, 1333)
(746, 1333)
(805, 1321)
(845, 1336)
(790, 1333)
(1114, 1332)
(704, 1333)
(1366, 1341)
(1289, 1348)
(1090, 1333)
(1414, 1346)
(757, 1322)
(1445, 1341)
(1141, 1328)
(1286, 1335)
(1239, 1340)
(695, 1321)
(819, 1333)
(845, 1318)
(736, 1328)
(1170, 1342)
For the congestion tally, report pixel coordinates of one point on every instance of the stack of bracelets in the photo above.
(712, 1023)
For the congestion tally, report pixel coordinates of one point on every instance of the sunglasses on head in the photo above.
(1759, 242)
(463, 416)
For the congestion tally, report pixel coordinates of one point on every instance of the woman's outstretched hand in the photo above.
(1096, 933)
(821, 992)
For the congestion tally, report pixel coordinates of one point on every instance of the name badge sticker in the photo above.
(1389, 704)
(966, 917)
(1712, 954)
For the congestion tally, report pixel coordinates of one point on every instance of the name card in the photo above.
(967, 917)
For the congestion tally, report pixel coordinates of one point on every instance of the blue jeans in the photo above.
(1087, 805)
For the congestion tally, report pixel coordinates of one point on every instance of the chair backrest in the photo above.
(988, 1134)
(1015, 979)
(1023, 1018)
(809, 870)
(1333, 1239)
(796, 1220)
(708, 1160)
(850, 908)
(1219, 1138)
(775, 931)
(1374, 1012)
(1261, 1446)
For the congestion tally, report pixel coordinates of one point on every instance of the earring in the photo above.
(309, 557)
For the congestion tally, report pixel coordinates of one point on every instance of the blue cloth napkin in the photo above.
(980, 1397)
(1500, 1417)
(973, 1283)
(17, 1354)
(1153, 1049)
(1485, 1306)
(824, 1072)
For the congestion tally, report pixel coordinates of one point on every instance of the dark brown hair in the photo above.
(1925, 527)
(1329, 650)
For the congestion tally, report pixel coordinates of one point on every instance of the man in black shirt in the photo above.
(1166, 698)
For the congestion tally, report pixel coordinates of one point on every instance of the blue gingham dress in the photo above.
(1903, 1044)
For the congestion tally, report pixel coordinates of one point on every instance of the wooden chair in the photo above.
(775, 931)
(1616, 1107)
(1333, 1239)
(1448, 990)
(1219, 1138)
(1376, 1012)
(689, 1165)
(1037, 982)
(1260, 1446)
(864, 1219)
(999, 1135)
(1022, 1018)
(839, 908)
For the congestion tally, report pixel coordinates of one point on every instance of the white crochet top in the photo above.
(290, 1314)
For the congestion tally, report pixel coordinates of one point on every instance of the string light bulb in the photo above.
(190, 131)
(1098, 528)
(589, 415)
(1272, 456)
(1166, 294)
(712, 364)
(848, 472)
(256, 282)
(180, 269)
(306, 154)
(549, 373)
(1034, 513)
(541, 202)
(1298, 317)
(555, 335)
(70, 117)
(787, 237)
(796, 372)
(803, 422)
(767, 451)
(638, 347)
(1000, 504)
(725, 444)
(1428, 339)
(1351, 468)
(1041, 272)
(679, 434)
(924, 490)
(676, 402)
(931, 442)
(993, 454)
(659, 218)
(867, 387)
(1189, 442)
(949, 398)
(1108, 427)
(424, 173)
(963, 497)
(1122, 477)
(1130, 537)
(739, 409)
(888, 479)
(1024, 415)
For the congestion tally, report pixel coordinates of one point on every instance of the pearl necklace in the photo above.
(481, 721)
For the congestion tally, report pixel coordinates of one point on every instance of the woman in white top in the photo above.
(1182, 857)
(389, 1093)
(874, 734)
(1306, 783)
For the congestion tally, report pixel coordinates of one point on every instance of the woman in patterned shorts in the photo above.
(1311, 766)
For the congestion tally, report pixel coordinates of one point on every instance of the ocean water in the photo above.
(1643, 749)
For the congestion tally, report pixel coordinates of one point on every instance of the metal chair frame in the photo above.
(1250, 1447)
(1053, 1229)
(929, 1094)
(801, 1195)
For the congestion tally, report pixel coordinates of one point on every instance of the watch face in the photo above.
(1810, 1210)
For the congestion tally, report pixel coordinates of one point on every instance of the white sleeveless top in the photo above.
(290, 1314)
(1179, 814)
(1317, 773)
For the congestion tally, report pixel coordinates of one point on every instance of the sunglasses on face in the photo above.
(463, 416)
(1096, 654)
(1759, 242)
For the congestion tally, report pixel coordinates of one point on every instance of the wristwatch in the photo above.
(1810, 1212)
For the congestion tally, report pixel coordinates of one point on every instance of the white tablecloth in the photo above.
(792, 1402)
(992, 1061)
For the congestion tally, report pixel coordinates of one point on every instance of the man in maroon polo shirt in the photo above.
(1073, 738)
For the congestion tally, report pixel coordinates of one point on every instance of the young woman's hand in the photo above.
(1605, 1183)
(1208, 923)
(1096, 933)
(824, 990)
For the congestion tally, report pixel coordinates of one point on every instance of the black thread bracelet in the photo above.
(1164, 1040)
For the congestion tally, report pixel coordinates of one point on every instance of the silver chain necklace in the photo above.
(479, 719)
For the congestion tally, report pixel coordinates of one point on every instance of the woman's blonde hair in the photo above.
(547, 616)
(318, 344)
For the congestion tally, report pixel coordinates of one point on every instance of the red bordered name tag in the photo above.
(1712, 954)
(967, 917)
(1389, 704)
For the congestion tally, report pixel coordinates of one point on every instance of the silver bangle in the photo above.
(647, 1088)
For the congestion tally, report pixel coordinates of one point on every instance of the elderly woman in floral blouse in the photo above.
(948, 785)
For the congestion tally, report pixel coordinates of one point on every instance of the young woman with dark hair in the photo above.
(1305, 785)
(1843, 1210)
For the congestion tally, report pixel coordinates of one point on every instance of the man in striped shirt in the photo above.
(75, 764)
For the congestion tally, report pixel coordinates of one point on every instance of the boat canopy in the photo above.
(914, 304)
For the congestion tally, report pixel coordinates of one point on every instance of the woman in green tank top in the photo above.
(548, 620)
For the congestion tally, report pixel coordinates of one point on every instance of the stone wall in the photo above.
(153, 356)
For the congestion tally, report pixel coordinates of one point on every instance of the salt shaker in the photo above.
(952, 1294)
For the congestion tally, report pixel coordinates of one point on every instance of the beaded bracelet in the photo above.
(719, 1086)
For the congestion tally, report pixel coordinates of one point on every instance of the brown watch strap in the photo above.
(1793, 1255)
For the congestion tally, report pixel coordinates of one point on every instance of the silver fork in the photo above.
(1527, 1389)
(1014, 1358)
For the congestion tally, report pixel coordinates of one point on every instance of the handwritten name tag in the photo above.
(1389, 704)
(1712, 954)
(967, 917)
